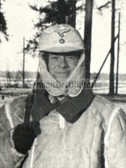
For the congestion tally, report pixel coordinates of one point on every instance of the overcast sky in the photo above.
(20, 20)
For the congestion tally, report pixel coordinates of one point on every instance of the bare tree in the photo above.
(8, 76)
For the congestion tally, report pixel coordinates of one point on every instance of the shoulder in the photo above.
(102, 105)
(102, 101)
(14, 110)
(103, 109)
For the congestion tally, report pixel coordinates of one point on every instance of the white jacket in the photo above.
(95, 140)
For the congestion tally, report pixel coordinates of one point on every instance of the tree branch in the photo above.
(104, 6)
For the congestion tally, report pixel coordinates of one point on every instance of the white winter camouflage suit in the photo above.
(101, 130)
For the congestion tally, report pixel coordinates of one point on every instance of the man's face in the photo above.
(62, 65)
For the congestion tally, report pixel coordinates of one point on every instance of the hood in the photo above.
(71, 87)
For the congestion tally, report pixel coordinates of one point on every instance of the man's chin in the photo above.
(62, 81)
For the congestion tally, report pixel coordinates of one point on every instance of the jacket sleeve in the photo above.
(115, 140)
(9, 157)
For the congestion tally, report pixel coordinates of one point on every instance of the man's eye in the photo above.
(54, 58)
(71, 57)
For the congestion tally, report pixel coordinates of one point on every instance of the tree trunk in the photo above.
(23, 72)
(87, 37)
(72, 16)
(118, 52)
(111, 78)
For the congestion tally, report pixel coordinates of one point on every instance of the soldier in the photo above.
(65, 124)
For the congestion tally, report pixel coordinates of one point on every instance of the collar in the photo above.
(70, 108)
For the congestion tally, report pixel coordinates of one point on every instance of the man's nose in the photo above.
(63, 62)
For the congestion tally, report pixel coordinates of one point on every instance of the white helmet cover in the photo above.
(60, 38)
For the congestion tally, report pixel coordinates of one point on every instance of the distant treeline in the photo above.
(17, 74)
(105, 76)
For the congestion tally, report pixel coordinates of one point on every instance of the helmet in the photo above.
(60, 38)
